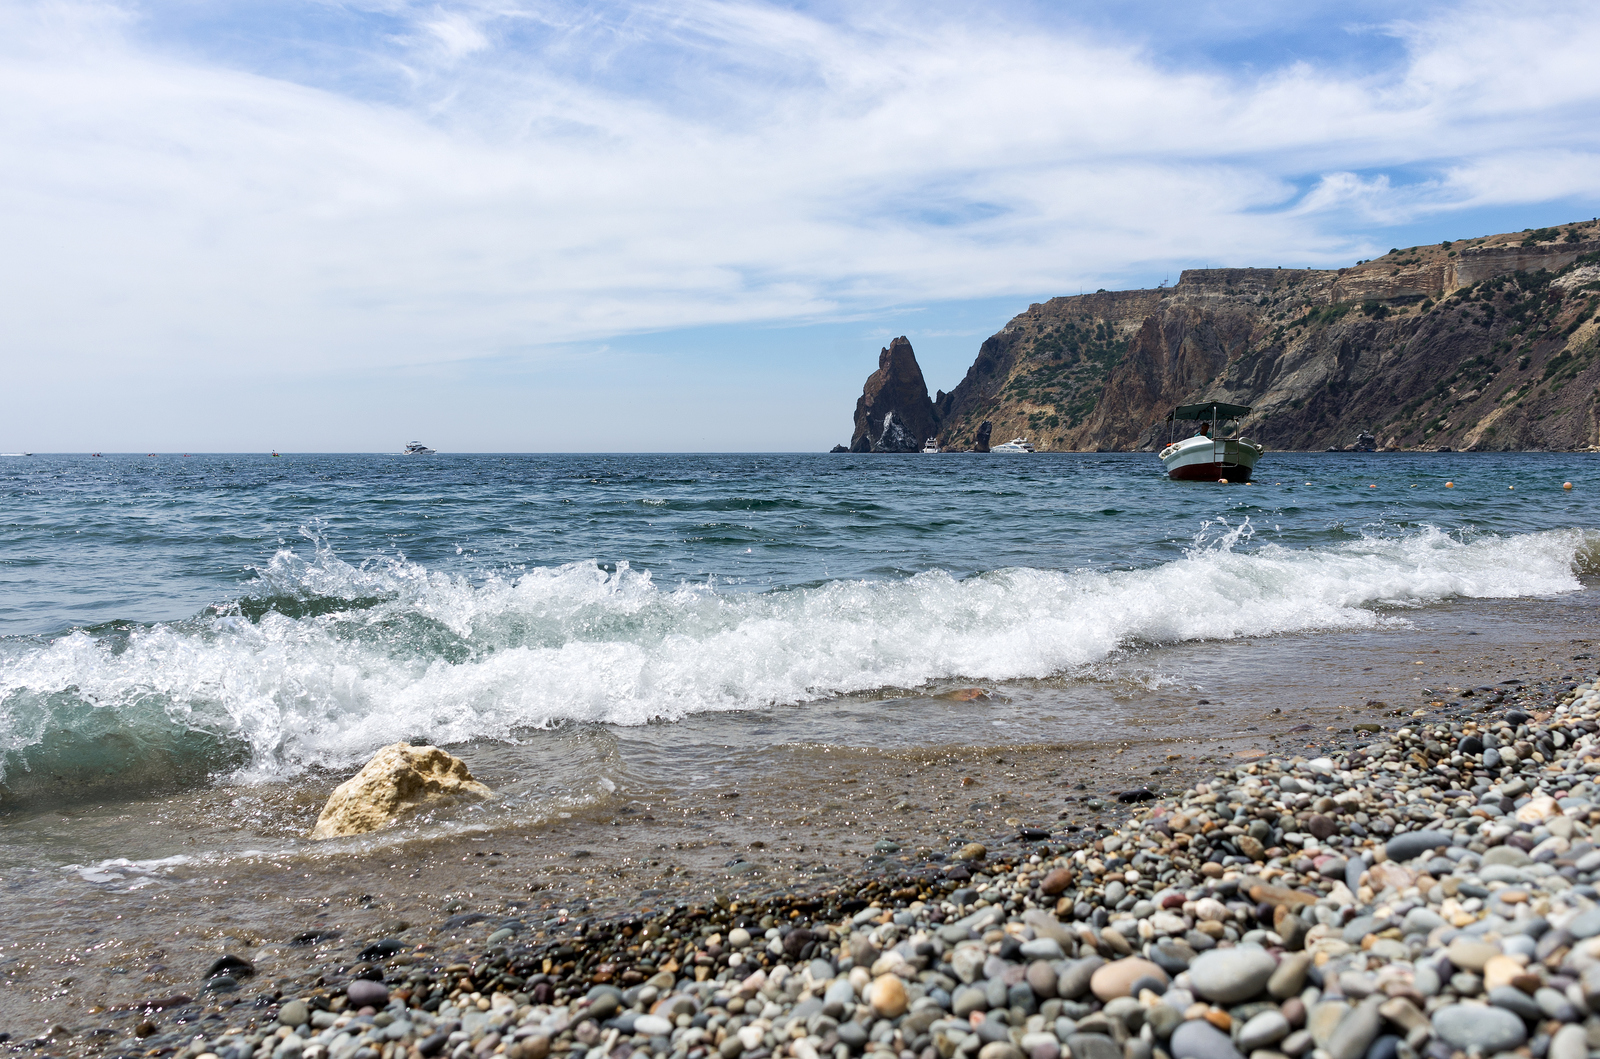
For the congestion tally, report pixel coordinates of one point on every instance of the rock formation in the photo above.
(894, 413)
(399, 779)
(1484, 343)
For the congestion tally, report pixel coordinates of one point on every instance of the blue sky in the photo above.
(544, 225)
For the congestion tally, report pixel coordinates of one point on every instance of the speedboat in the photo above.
(1212, 455)
(417, 448)
(1015, 445)
(930, 446)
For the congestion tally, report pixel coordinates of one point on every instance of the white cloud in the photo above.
(536, 173)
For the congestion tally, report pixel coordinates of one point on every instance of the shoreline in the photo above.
(554, 924)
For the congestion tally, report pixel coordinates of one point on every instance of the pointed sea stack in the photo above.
(894, 413)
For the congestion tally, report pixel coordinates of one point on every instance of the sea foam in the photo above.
(322, 661)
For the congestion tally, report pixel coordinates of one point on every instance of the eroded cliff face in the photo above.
(1485, 343)
(894, 413)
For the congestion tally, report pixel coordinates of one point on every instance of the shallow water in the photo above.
(657, 661)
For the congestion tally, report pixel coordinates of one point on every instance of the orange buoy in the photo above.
(1566, 485)
(1449, 485)
(1510, 487)
(1372, 487)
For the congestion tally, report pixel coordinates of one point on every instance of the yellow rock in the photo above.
(1499, 971)
(889, 999)
(399, 779)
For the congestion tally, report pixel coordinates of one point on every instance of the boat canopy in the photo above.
(1213, 410)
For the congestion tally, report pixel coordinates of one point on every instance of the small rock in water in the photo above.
(399, 779)
(234, 967)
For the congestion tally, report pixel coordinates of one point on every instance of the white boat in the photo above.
(417, 448)
(1015, 445)
(1211, 455)
(930, 446)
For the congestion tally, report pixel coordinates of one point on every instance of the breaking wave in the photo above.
(322, 661)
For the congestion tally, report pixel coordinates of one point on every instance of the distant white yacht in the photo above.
(931, 445)
(1015, 445)
(417, 448)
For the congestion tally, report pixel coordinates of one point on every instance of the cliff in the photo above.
(1485, 343)
(894, 413)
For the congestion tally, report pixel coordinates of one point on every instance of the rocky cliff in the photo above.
(894, 413)
(1485, 343)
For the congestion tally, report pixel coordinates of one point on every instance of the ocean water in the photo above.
(170, 622)
(682, 674)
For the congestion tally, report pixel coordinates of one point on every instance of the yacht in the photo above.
(1212, 455)
(1015, 445)
(930, 446)
(417, 448)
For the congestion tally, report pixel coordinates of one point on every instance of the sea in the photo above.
(194, 649)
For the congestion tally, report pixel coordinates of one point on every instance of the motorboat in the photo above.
(1364, 442)
(931, 446)
(1213, 454)
(1015, 445)
(417, 448)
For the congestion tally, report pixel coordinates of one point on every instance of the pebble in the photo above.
(1113, 979)
(1198, 1039)
(1569, 1042)
(1289, 978)
(1475, 1027)
(889, 1000)
(1229, 976)
(1355, 1032)
(1470, 955)
(363, 993)
(1267, 1028)
(1324, 1018)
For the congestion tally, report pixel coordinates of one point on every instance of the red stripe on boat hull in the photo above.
(1210, 472)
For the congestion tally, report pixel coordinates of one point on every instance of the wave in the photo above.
(322, 661)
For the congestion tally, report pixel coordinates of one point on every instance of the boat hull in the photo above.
(1202, 459)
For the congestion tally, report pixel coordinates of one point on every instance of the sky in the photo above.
(549, 225)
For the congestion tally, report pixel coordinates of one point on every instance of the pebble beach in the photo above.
(1429, 892)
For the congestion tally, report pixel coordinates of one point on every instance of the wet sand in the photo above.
(732, 805)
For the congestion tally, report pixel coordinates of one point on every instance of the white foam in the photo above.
(446, 660)
(119, 869)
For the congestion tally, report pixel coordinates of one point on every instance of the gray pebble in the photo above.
(1198, 1039)
(1515, 1001)
(1413, 844)
(1355, 1032)
(1267, 1028)
(1074, 981)
(1569, 1042)
(1471, 1026)
(1229, 976)
(1043, 949)
(968, 999)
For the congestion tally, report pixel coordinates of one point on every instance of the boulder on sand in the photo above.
(399, 779)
